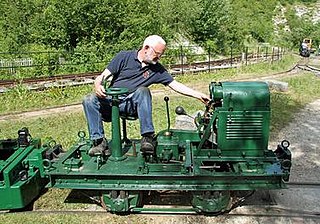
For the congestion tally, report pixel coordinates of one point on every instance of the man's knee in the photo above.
(89, 100)
(143, 91)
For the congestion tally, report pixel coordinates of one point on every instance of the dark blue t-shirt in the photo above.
(127, 72)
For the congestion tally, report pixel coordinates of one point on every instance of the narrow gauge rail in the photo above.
(310, 68)
(11, 115)
(273, 210)
(259, 211)
(176, 69)
(12, 82)
(301, 184)
(41, 83)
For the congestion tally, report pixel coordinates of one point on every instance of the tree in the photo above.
(15, 23)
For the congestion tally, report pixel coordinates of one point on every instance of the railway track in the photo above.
(42, 83)
(310, 69)
(265, 211)
(269, 208)
(52, 81)
(74, 106)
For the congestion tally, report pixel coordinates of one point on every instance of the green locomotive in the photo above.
(227, 153)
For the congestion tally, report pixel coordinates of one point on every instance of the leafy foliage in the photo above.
(107, 26)
(301, 27)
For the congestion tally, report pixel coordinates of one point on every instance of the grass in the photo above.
(302, 90)
(21, 99)
(55, 126)
(64, 127)
(61, 218)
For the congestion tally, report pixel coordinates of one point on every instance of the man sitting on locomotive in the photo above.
(134, 70)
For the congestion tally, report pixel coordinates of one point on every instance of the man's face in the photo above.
(154, 53)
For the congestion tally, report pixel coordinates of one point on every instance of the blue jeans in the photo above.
(138, 103)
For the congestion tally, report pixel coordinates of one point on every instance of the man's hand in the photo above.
(99, 90)
(181, 88)
(205, 99)
(98, 84)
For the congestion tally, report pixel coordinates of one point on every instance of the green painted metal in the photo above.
(228, 152)
(243, 116)
(193, 174)
(188, 160)
(117, 153)
(211, 202)
(121, 201)
(21, 173)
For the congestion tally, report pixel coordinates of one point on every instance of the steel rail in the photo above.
(267, 210)
(303, 184)
(273, 211)
(12, 82)
(174, 69)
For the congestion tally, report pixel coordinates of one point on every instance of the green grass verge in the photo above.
(21, 99)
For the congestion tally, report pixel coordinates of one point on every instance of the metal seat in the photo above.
(124, 118)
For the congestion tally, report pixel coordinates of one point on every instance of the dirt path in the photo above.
(304, 135)
(41, 112)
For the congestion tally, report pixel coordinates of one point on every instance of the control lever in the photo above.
(166, 99)
(180, 111)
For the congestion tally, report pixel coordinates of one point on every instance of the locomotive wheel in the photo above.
(211, 202)
(121, 201)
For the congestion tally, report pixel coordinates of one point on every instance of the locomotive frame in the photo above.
(228, 152)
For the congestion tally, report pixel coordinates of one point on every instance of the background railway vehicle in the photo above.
(306, 48)
(224, 159)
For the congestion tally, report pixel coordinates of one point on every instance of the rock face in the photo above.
(310, 13)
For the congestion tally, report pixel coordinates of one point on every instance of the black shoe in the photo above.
(100, 147)
(147, 144)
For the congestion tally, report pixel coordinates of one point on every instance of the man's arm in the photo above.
(184, 90)
(98, 86)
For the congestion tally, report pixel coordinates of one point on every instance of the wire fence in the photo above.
(50, 63)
